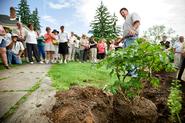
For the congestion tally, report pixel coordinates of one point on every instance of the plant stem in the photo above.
(178, 118)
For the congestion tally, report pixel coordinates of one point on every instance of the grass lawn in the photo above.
(82, 74)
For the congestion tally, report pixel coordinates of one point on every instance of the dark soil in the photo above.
(82, 105)
(91, 105)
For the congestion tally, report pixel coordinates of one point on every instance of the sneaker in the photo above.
(41, 62)
(7, 67)
(53, 61)
(61, 62)
(47, 61)
(31, 62)
(65, 62)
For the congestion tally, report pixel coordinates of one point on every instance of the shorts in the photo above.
(3, 44)
(63, 48)
(49, 47)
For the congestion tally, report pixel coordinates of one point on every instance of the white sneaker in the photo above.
(41, 62)
(47, 61)
(31, 62)
(60, 61)
(65, 62)
(53, 61)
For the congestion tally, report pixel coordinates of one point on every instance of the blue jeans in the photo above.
(42, 51)
(128, 42)
(13, 58)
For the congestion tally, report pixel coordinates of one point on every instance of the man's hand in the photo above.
(132, 32)
(118, 41)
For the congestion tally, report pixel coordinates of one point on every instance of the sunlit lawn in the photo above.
(82, 74)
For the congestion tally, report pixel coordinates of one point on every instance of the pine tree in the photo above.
(104, 25)
(116, 28)
(24, 12)
(35, 19)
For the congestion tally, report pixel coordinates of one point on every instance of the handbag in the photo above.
(55, 42)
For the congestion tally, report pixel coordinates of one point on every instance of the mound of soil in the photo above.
(82, 105)
(139, 110)
(91, 105)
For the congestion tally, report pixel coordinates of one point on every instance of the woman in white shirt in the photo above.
(63, 46)
(31, 44)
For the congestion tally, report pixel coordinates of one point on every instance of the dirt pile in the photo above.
(91, 105)
(82, 105)
(140, 110)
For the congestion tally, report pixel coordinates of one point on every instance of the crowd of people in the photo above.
(52, 47)
(59, 47)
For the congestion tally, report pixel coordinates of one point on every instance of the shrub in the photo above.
(145, 58)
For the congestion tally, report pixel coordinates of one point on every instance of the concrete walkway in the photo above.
(16, 82)
(35, 107)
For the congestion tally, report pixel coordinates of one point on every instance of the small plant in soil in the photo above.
(175, 101)
(145, 58)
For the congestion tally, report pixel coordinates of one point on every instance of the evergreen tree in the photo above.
(116, 28)
(24, 12)
(104, 25)
(35, 19)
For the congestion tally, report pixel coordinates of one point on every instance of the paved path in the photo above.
(15, 83)
(35, 107)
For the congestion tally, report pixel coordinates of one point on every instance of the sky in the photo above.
(76, 15)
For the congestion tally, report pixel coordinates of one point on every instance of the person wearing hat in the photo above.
(15, 50)
(56, 55)
(55, 31)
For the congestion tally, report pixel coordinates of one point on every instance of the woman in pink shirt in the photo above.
(101, 46)
(49, 47)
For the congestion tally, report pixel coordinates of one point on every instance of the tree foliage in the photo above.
(24, 12)
(147, 58)
(156, 32)
(104, 25)
(26, 16)
(35, 19)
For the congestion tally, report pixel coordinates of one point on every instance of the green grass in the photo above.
(82, 74)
